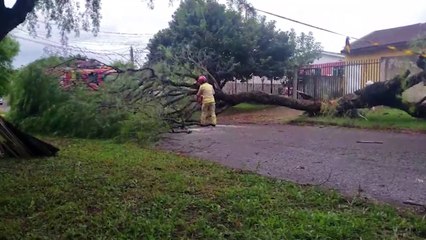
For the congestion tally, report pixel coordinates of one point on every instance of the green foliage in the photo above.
(68, 16)
(306, 48)
(9, 48)
(79, 116)
(206, 37)
(33, 92)
(142, 127)
(101, 190)
(419, 44)
(40, 106)
(247, 107)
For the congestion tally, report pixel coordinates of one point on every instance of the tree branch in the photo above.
(186, 75)
(217, 86)
(179, 84)
(11, 18)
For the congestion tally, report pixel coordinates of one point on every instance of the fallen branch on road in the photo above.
(372, 142)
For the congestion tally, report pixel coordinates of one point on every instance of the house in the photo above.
(328, 64)
(381, 55)
(329, 57)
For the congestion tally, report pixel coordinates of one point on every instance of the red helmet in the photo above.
(202, 79)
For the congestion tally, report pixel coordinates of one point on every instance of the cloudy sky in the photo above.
(128, 23)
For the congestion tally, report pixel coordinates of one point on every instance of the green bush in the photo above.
(142, 128)
(39, 106)
(33, 92)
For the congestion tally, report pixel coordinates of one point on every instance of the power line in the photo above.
(129, 34)
(126, 43)
(116, 33)
(108, 56)
(97, 43)
(373, 43)
(76, 42)
(57, 45)
(306, 24)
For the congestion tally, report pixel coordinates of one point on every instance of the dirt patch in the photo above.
(272, 115)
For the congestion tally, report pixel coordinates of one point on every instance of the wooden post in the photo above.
(315, 87)
(295, 81)
(132, 57)
(253, 83)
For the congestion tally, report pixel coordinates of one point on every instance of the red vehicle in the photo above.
(90, 72)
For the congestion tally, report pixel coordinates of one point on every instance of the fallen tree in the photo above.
(179, 102)
(265, 98)
(388, 93)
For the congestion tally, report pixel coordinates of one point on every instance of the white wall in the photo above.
(327, 58)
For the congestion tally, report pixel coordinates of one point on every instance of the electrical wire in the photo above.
(372, 43)
(303, 23)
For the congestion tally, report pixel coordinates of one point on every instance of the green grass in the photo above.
(381, 118)
(103, 190)
(246, 107)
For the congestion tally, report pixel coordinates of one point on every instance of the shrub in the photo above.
(39, 106)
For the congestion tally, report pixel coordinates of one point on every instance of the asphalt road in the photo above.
(393, 171)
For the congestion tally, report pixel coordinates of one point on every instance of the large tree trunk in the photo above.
(10, 18)
(264, 98)
(387, 93)
(17, 144)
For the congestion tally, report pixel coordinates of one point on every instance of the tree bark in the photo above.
(17, 144)
(387, 93)
(10, 18)
(264, 98)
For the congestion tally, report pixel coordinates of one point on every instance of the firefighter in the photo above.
(205, 96)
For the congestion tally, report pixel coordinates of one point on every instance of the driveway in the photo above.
(391, 167)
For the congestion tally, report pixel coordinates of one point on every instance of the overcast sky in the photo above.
(352, 18)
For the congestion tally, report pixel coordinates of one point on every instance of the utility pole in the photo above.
(132, 57)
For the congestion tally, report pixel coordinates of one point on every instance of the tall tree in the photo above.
(207, 37)
(306, 48)
(9, 48)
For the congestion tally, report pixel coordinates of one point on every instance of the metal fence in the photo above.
(240, 87)
(330, 81)
(321, 81)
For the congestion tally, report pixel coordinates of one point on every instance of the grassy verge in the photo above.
(246, 108)
(102, 190)
(381, 118)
